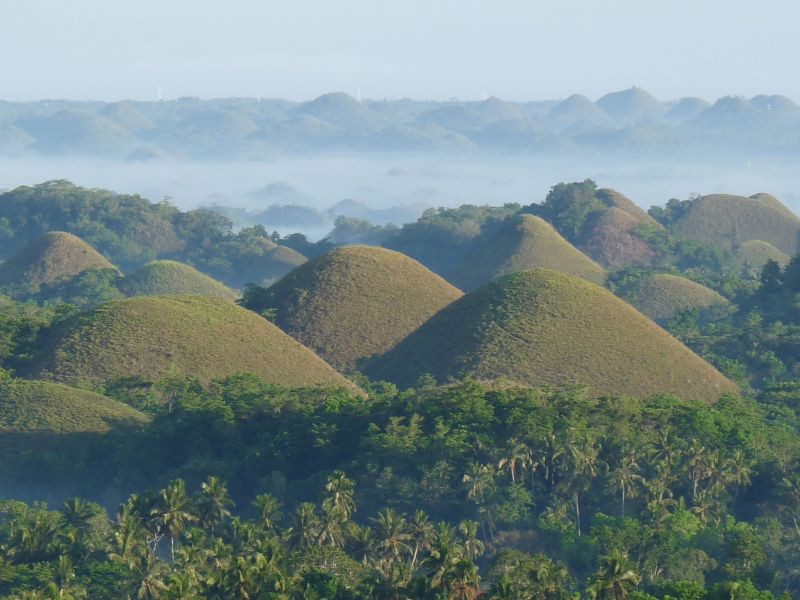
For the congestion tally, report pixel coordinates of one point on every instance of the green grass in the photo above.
(157, 336)
(545, 327)
(728, 221)
(50, 258)
(752, 255)
(613, 198)
(40, 406)
(357, 301)
(523, 242)
(662, 296)
(608, 237)
(266, 264)
(169, 277)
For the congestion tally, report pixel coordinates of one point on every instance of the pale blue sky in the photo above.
(298, 49)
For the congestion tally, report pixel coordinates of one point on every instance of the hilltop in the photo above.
(662, 296)
(523, 242)
(169, 277)
(355, 301)
(544, 327)
(265, 263)
(727, 221)
(752, 255)
(182, 335)
(50, 258)
(40, 406)
(609, 237)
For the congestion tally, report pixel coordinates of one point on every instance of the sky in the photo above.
(423, 49)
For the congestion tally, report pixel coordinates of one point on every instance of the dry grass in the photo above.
(662, 296)
(608, 237)
(169, 277)
(544, 327)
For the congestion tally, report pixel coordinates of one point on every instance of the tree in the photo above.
(625, 477)
(615, 579)
(213, 504)
(174, 511)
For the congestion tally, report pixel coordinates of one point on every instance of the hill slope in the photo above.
(192, 335)
(662, 296)
(356, 301)
(52, 257)
(267, 263)
(727, 221)
(752, 255)
(40, 406)
(523, 242)
(608, 237)
(169, 277)
(543, 327)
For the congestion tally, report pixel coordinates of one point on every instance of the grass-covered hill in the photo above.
(261, 261)
(752, 255)
(544, 327)
(355, 302)
(153, 337)
(662, 296)
(614, 199)
(609, 237)
(50, 258)
(523, 242)
(169, 277)
(46, 407)
(727, 221)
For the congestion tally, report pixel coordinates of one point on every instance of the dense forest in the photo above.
(134, 469)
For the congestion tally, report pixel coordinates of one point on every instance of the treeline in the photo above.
(658, 497)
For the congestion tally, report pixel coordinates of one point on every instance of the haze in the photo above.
(518, 50)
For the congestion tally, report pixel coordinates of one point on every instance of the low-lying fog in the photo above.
(408, 183)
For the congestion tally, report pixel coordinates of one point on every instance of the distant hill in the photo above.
(662, 296)
(169, 277)
(544, 327)
(45, 407)
(686, 109)
(356, 301)
(523, 242)
(608, 237)
(51, 258)
(752, 255)
(127, 115)
(176, 335)
(575, 110)
(728, 221)
(78, 131)
(613, 198)
(631, 105)
(264, 264)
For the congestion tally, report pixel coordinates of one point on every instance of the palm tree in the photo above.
(698, 465)
(173, 511)
(473, 547)
(213, 503)
(615, 579)
(586, 463)
(269, 511)
(517, 455)
(341, 490)
(392, 535)
(625, 477)
(422, 531)
(306, 525)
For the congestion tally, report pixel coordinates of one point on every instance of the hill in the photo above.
(544, 327)
(169, 277)
(40, 406)
(50, 258)
(608, 237)
(686, 109)
(355, 302)
(613, 198)
(634, 104)
(727, 221)
(662, 296)
(523, 242)
(752, 255)
(577, 110)
(181, 335)
(264, 263)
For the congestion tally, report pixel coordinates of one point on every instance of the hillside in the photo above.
(53, 257)
(39, 406)
(523, 242)
(752, 255)
(191, 335)
(662, 296)
(608, 237)
(264, 264)
(169, 277)
(727, 221)
(631, 105)
(356, 301)
(544, 327)
(612, 198)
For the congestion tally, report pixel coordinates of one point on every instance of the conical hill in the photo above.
(169, 277)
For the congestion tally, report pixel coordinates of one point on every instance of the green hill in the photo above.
(662, 296)
(523, 242)
(752, 255)
(356, 301)
(169, 277)
(40, 406)
(265, 264)
(612, 198)
(544, 327)
(53, 257)
(609, 237)
(165, 335)
(727, 221)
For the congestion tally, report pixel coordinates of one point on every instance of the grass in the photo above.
(662, 296)
(40, 406)
(169, 277)
(357, 301)
(523, 242)
(157, 336)
(545, 327)
(728, 221)
(268, 263)
(613, 198)
(608, 237)
(752, 255)
(50, 258)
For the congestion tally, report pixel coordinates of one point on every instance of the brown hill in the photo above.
(662, 296)
(608, 237)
